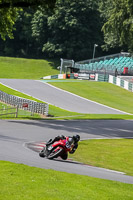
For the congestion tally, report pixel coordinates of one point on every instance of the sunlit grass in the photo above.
(19, 182)
(21, 68)
(115, 154)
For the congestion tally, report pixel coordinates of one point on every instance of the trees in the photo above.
(7, 20)
(26, 3)
(9, 10)
(40, 30)
(22, 44)
(118, 28)
(74, 28)
(70, 31)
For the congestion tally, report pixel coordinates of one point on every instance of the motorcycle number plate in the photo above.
(68, 146)
(50, 147)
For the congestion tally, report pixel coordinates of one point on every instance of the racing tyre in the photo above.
(55, 154)
(42, 154)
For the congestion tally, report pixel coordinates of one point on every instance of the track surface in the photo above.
(20, 141)
(57, 97)
(16, 136)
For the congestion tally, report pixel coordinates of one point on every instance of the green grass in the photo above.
(21, 68)
(101, 92)
(115, 154)
(19, 182)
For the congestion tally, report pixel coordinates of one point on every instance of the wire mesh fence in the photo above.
(32, 106)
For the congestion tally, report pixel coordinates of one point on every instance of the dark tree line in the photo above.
(69, 30)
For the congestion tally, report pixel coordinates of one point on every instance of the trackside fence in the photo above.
(121, 82)
(9, 111)
(32, 106)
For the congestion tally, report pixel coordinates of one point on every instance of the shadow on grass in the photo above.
(54, 63)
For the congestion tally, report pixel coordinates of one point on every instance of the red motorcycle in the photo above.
(58, 148)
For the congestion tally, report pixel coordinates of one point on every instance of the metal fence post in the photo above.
(17, 111)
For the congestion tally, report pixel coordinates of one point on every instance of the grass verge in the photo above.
(114, 154)
(22, 68)
(20, 182)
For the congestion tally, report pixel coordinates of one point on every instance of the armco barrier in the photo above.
(33, 106)
(58, 76)
(102, 77)
(120, 82)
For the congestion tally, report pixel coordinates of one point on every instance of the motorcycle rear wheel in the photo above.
(55, 154)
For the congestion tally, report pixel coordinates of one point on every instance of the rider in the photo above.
(72, 140)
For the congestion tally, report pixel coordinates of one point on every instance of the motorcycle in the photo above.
(57, 149)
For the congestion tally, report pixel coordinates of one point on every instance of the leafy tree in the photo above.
(9, 10)
(40, 30)
(26, 3)
(74, 28)
(118, 28)
(23, 44)
(70, 32)
(7, 20)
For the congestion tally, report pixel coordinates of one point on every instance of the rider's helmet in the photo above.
(70, 140)
(76, 138)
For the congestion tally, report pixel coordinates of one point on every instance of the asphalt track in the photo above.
(21, 140)
(58, 97)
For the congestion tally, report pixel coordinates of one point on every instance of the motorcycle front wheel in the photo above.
(42, 153)
(55, 154)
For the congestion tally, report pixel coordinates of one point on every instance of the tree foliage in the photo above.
(69, 30)
(9, 10)
(39, 26)
(7, 20)
(74, 28)
(118, 28)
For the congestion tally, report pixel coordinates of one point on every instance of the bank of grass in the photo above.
(19, 182)
(20, 68)
(114, 154)
(101, 92)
